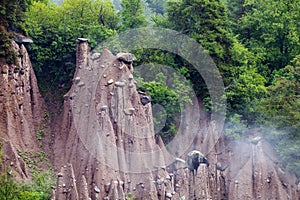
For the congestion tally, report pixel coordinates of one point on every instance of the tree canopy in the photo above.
(271, 30)
(132, 14)
(54, 30)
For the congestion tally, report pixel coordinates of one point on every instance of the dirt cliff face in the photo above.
(105, 147)
(106, 132)
(21, 112)
(255, 173)
(103, 113)
(107, 136)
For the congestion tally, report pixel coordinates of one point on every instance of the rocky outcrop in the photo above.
(107, 149)
(21, 112)
(66, 184)
(103, 115)
(255, 173)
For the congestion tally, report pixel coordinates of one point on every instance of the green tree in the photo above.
(55, 29)
(280, 111)
(39, 188)
(11, 24)
(157, 6)
(237, 9)
(132, 14)
(169, 100)
(168, 87)
(281, 105)
(89, 12)
(246, 86)
(270, 29)
(12, 15)
(207, 22)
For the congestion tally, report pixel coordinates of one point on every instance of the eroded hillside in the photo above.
(104, 142)
(23, 117)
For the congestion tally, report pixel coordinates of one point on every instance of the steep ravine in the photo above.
(103, 143)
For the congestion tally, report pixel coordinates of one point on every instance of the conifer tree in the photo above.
(205, 21)
(132, 14)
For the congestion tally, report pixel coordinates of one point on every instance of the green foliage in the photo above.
(173, 75)
(235, 127)
(39, 134)
(40, 185)
(168, 86)
(55, 29)
(51, 53)
(130, 196)
(132, 14)
(89, 12)
(35, 161)
(261, 84)
(11, 22)
(169, 100)
(279, 110)
(208, 23)
(205, 21)
(157, 6)
(243, 93)
(12, 15)
(271, 30)
(8, 188)
(39, 188)
(237, 8)
(30, 195)
(288, 150)
(7, 54)
(41, 131)
(286, 146)
(281, 105)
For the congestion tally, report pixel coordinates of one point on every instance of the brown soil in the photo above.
(103, 144)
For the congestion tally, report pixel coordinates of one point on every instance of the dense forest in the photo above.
(255, 45)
